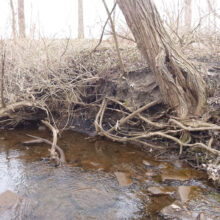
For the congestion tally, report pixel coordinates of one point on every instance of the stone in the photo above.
(8, 200)
(183, 193)
(150, 173)
(148, 163)
(91, 164)
(154, 190)
(202, 216)
(177, 211)
(174, 176)
(124, 179)
(90, 199)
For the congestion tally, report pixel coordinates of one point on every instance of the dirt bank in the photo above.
(64, 83)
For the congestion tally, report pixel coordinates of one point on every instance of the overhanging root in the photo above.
(53, 154)
(38, 140)
(160, 130)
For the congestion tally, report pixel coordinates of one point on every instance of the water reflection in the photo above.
(12, 171)
(86, 187)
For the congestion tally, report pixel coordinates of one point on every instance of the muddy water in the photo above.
(101, 180)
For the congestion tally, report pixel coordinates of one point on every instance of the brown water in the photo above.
(102, 180)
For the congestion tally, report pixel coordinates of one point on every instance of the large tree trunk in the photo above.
(80, 20)
(180, 83)
(187, 14)
(21, 19)
(13, 24)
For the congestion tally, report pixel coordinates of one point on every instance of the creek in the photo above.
(101, 180)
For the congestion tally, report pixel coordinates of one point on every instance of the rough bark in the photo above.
(187, 14)
(80, 20)
(21, 19)
(13, 23)
(181, 85)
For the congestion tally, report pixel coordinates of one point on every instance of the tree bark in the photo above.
(187, 15)
(13, 19)
(181, 85)
(21, 19)
(80, 20)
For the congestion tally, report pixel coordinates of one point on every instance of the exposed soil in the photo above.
(68, 90)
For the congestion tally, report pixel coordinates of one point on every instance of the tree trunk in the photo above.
(13, 19)
(21, 19)
(180, 83)
(80, 20)
(187, 15)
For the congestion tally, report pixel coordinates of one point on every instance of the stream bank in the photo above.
(83, 91)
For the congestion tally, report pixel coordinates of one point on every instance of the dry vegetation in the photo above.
(57, 77)
(63, 82)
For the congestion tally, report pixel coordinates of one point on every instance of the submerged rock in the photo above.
(151, 173)
(154, 190)
(91, 198)
(177, 211)
(183, 193)
(92, 165)
(124, 179)
(174, 176)
(146, 163)
(8, 200)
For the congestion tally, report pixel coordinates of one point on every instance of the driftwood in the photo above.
(53, 153)
(39, 140)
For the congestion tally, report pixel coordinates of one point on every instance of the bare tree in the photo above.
(80, 20)
(187, 14)
(13, 19)
(181, 85)
(21, 19)
(212, 8)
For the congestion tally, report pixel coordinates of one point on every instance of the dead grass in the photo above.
(62, 78)
(57, 74)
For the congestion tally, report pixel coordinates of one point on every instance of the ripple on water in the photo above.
(103, 180)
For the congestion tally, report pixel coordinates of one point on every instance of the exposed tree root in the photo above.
(70, 88)
(7, 112)
(197, 125)
(157, 131)
(53, 154)
(38, 140)
(12, 107)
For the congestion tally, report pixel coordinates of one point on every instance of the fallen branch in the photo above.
(103, 31)
(115, 38)
(39, 140)
(53, 154)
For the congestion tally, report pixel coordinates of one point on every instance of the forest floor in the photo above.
(74, 87)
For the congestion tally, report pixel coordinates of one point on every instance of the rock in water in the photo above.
(183, 193)
(157, 190)
(124, 179)
(8, 200)
(177, 211)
